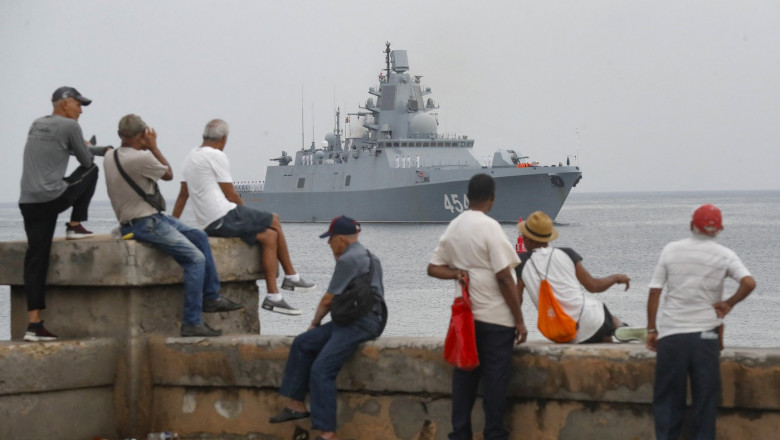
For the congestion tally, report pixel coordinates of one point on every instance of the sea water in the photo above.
(614, 233)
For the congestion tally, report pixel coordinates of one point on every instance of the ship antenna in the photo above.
(387, 58)
(303, 142)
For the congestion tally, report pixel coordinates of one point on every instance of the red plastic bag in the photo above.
(553, 322)
(460, 346)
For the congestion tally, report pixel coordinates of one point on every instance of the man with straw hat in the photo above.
(567, 276)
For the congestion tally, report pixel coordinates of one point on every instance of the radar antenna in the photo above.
(387, 59)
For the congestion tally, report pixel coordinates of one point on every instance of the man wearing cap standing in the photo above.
(220, 211)
(567, 276)
(144, 164)
(685, 332)
(46, 192)
(474, 245)
(317, 355)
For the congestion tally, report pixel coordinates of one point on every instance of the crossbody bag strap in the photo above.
(127, 178)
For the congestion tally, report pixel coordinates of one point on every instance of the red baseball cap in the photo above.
(707, 219)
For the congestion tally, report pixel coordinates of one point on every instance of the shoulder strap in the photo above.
(132, 183)
(549, 262)
(126, 177)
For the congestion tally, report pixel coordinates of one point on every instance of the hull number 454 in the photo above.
(452, 203)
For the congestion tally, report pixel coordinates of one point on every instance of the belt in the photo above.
(131, 222)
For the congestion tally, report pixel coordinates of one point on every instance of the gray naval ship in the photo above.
(395, 167)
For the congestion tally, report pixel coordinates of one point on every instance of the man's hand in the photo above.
(722, 308)
(623, 279)
(521, 333)
(149, 139)
(652, 341)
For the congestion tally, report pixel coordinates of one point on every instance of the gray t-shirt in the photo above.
(50, 143)
(353, 262)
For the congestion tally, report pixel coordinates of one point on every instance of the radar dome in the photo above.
(423, 124)
(331, 139)
(318, 156)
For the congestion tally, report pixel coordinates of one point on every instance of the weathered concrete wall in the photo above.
(228, 386)
(58, 390)
(123, 290)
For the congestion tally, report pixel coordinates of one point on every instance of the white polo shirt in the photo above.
(693, 271)
(204, 168)
(476, 243)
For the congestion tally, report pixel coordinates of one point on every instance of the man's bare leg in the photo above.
(268, 240)
(282, 252)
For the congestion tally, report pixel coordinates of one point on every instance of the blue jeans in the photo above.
(315, 359)
(495, 344)
(695, 355)
(190, 248)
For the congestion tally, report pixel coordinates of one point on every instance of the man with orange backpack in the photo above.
(583, 318)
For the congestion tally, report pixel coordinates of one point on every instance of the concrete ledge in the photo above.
(104, 261)
(392, 385)
(55, 366)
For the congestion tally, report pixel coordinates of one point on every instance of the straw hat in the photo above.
(538, 227)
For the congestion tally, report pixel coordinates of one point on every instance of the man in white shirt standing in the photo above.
(474, 245)
(220, 211)
(684, 329)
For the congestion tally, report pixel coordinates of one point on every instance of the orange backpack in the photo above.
(553, 322)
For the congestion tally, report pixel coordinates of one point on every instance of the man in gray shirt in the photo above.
(46, 192)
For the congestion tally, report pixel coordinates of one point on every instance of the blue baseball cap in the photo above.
(69, 92)
(342, 225)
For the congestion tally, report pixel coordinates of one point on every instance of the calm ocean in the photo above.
(615, 232)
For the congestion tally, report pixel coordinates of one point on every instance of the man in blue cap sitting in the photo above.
(317, 355)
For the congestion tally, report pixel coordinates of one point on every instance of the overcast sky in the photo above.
(649, 95)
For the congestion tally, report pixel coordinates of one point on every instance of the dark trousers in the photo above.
(494, 346)
(315, 359)
(694, 355)
(40, 220)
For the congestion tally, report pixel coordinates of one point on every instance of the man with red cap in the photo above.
(685, 334)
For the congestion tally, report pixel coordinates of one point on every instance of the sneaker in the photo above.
(301, 285)
(37, 332)
(280, 306)
(626, 334)
(76, 232)
(221, 304)
(199, 330)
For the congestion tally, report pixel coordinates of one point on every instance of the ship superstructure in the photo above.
(395, 166)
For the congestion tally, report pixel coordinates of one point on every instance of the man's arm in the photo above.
(652, 310)
(444, 272)
(150, 143)
(230, 192)
(181, 200)
(746, 285)
(597, 285)
(509, 291)
(322, 309)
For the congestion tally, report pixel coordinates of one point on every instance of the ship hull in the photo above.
(439, 199)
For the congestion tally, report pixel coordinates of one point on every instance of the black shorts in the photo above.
(242, 222)
(606, 329)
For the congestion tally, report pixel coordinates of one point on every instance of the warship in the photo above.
(396, 167)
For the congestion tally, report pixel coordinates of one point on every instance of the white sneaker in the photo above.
(280, 306)
(627, 334)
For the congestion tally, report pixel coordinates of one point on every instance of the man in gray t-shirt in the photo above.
(317, 355)
(46, 192)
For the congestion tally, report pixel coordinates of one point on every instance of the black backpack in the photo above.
(357, 299)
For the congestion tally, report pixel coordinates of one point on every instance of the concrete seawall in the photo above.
(121, 371)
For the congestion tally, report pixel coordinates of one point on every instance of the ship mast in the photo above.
(387, 59)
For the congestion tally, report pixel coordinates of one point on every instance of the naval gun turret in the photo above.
(283, 160)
